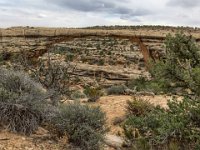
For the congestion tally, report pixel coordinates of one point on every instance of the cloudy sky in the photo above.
(82, 13)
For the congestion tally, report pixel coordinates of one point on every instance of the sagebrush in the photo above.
(21, 101)
(84, 125)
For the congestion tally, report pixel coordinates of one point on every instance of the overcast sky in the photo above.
(82, 13)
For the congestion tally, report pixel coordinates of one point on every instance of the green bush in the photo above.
(180, 67)
(101, 62)
(138, 84)
(93, 93)
(84, 125)
(60, 50)
(77, 95)
(69, 57)
(101, 53)
(156, 86)
(177, 126)
(116, 90)
(181, 64)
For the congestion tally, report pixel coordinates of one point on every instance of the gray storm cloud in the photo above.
(78, 13)
(184, 3)
(102, 6)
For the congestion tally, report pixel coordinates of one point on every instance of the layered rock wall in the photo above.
(36, 41)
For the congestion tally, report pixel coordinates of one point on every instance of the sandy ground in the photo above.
(37, 141)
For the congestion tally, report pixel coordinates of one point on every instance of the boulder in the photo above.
(114, 141)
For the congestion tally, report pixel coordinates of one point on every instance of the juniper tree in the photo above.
(181, 64)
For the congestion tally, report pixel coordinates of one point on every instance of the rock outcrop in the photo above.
(38, 40)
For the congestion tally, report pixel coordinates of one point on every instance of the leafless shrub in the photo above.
(51, 74)
(54, 75)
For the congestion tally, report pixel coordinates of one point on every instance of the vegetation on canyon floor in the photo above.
(175, 127)
(32, 99)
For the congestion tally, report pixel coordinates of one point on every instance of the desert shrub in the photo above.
(1, 58)
(139, 107)
(23, 60)
(98, 46)
(84, 125)
(138, 84)
(159, 86)
(19, 118)
(4, 55)
(21, 102)
(116, 90)
(77, 95)
(143, 84)
(101, 53)
(101, 62)
(19, 87)
(60, 50)
(177, 126)
(109, 53)
(69, 57)
(53, 75)
(93, 93)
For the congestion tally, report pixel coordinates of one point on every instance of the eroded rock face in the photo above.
(109, 56)
(38, 40)
(108, 60)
